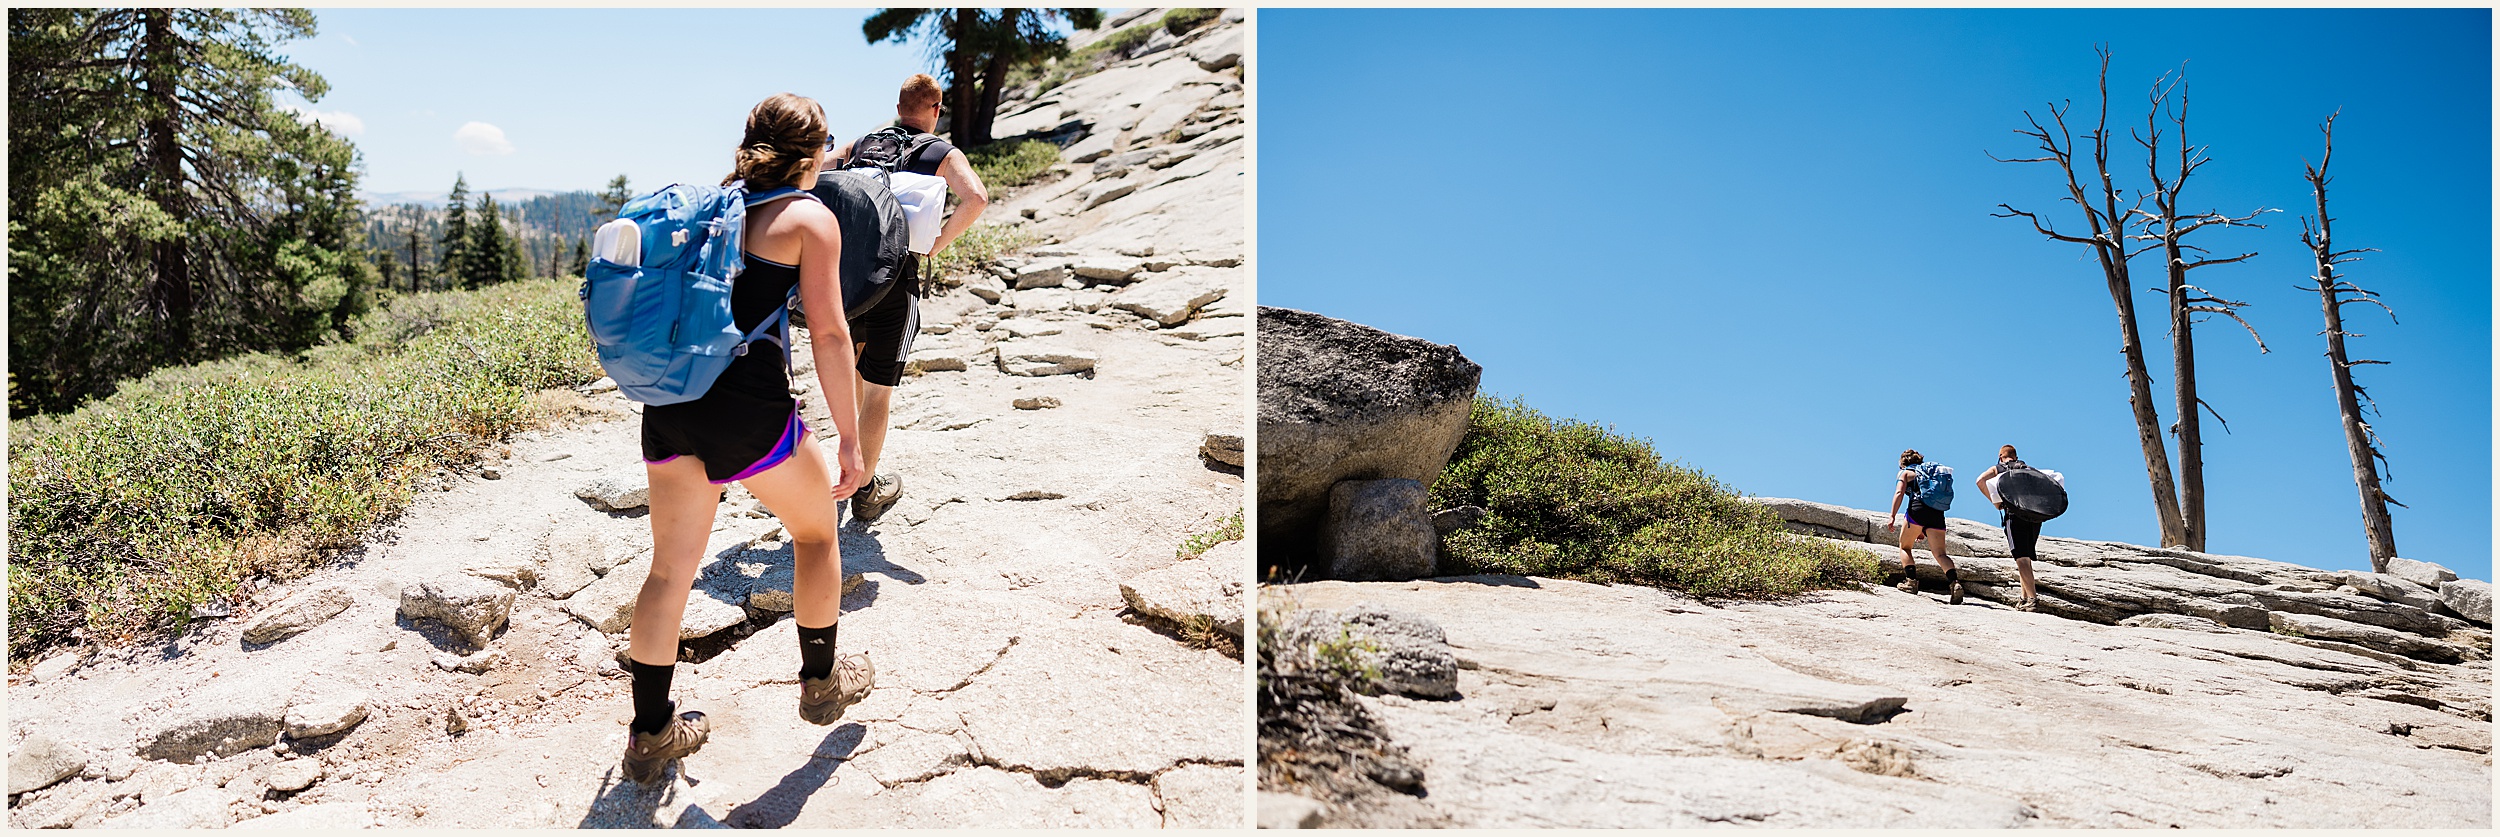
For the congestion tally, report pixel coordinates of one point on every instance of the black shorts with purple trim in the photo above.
(1921, 515)
(745, 424)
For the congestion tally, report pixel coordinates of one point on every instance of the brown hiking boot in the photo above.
(821, 700)
(646, 753)
(873, 499)
(2027, 605)
(1953, 588)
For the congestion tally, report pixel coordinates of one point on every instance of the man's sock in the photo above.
(651, 707)
(816, 651)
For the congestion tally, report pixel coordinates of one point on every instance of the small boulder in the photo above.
(1409, 652)
(1204, 590)
(234, 719)
(292, 775)
(1042, 402)
(1045, 275)
(41, 761)
(1377, 530)
(325, 714)
(1171, 297)
(2424, 573)
(298, 613)
(2468, 598)
(1217, 53)
(478, 663)
(614, 494)
(54, 667)
(570, 559)
(472, 607)
(608, 604)
(1222, 444)
(1039, 359)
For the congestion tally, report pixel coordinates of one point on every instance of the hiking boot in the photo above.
(873, 499)
(646, 753)
(2027, 605)
(821, 700)
(1953, 588)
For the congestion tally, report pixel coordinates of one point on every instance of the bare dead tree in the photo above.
(2335, 292)
(2166, 224)
(2109, 225)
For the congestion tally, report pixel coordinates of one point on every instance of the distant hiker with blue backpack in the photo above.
(2025, 497)
(1929, 488)
(884, 331)
(687, 303)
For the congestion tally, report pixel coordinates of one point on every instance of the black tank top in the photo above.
(763, 287)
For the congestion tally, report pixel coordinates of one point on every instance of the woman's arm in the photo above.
(1897, 487)
(837, 372)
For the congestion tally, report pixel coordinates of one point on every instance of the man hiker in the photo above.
(2022, 534)
(884, 332)
(1929, 487)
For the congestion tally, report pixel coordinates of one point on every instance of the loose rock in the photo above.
(229, 719)
(1040, 359)
(2468, 598)
(615, 495)
(1170, 298)
(2423, 573)
(478, 663)
(298, 613)
(472, 607)
(1037, 403)
(1222, 444)
(1204, 591)
(39, 761)
(1378, 530)
(292, 775)
(326, 714)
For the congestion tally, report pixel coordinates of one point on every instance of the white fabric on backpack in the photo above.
(923, 197)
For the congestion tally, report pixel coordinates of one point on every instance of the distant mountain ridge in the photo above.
(435, 199)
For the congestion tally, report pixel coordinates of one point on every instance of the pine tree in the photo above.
(494, 255)
(581, 258)
(162, 208)
(452, 262)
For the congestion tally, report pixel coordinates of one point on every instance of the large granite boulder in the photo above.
(1340, 401)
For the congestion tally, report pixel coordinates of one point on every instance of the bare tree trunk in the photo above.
(2333, 294)
(171, 289)
(993, 85)
(2168, 224)
(2109, 244)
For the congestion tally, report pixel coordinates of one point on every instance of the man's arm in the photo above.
(1982, 482)
(966, 184)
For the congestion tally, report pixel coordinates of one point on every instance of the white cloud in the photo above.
(482, 140)
(338, 121)
(350, 39)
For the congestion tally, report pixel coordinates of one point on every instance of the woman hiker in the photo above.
(1923, 520)
(2022, 537)
(746, 429)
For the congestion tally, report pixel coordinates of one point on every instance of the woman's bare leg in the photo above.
(683, 503)
(799, 492)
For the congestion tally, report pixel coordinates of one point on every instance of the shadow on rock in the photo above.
(779, 806)
(863, 553)
(1487, 580)
(624, 804)
(441, 637)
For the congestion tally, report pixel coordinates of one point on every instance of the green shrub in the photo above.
(1115, 46)
(1566, 499)
(131, 512)
(976, 249)
(1228, 529)
(1006, 165)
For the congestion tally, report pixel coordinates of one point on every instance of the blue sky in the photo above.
(1761, 239)
(565, 99)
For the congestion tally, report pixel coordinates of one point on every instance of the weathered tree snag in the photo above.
(2109, 225)
(2166, 224)
(162, 68)
(2334, 293)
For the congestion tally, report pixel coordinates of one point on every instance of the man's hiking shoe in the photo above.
(1909, 584)
(873, 499)
(2027, 605)
(647, 753)
(821, 700)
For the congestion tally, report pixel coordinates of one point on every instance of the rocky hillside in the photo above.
(2154, 688)
(1049, 653)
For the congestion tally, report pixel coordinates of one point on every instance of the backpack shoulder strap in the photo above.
(756, 199)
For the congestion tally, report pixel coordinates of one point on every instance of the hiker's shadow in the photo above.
(779, 806)
(862, 555)
(625, 804)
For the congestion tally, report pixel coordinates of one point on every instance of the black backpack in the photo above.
(889, 148)
(875, 235)
(2027, 493)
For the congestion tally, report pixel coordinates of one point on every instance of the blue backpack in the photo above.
(1935, 485)
(664, 328)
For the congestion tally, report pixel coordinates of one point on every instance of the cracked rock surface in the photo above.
(1582, 705)
(1016, 687)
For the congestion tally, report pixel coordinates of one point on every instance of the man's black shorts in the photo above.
(887, 329)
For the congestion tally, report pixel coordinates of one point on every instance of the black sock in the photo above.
(816, 651)
(651, 707)
(1954, 574)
